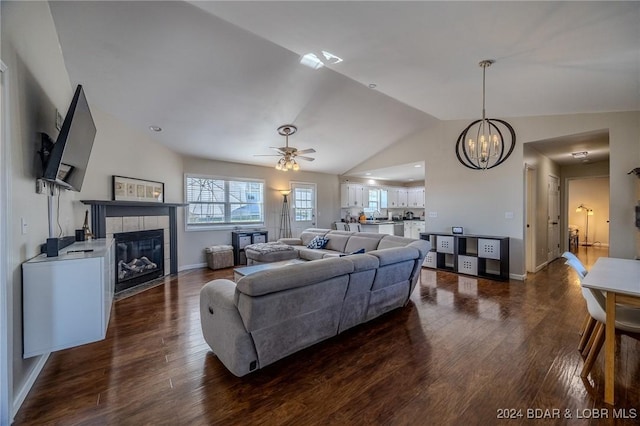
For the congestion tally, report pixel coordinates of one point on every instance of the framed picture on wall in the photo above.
(132, 189)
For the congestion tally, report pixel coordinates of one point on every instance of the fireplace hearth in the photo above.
(139, 257)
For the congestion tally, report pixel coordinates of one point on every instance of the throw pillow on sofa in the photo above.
(318, 242)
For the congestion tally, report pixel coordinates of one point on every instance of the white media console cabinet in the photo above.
(67, 299)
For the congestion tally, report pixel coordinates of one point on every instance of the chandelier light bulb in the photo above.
(296, 167)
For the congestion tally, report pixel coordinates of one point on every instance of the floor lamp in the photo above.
(285, 217)
(589, 212)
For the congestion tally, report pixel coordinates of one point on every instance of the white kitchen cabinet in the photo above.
(403, 197)
(415, 197)
(397, 197)
(413, 228)
(67, 299)
(392, 198)
(353, 195)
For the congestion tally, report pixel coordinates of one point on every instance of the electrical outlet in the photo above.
(508, 215)
(24, 226)
(433, 214)
(40, 185)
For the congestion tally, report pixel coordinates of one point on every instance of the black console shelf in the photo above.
(478, 255)
(241, 239)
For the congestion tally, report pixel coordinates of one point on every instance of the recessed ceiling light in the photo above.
(372, 85)
(579, 154)
(367, 174)
(155, 128)
(411, 180)
(417, 166)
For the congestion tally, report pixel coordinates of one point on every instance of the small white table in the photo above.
(620, 280)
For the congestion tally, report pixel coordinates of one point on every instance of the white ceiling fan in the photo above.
(288, 154)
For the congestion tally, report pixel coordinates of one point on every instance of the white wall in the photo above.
(122, 151)
(38, 83)
(192, 243)
(478, 200)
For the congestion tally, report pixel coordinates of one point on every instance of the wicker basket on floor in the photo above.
(219, 257)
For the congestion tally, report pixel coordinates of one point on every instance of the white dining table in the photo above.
(619, 279)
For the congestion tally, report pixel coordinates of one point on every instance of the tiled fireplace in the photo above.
(128, 224)
(119, 218)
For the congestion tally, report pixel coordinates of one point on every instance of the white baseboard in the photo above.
(518, 277)
(28, 384)
(188, 267)
(541, 267)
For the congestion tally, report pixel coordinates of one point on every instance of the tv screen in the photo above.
(69, 156)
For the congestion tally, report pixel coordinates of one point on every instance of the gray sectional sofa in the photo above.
(270, 314)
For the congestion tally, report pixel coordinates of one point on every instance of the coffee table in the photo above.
(248, 270)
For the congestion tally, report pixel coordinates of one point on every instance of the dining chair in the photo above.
(341, 226)
(587, 328)
(355, 227)
(627, 323)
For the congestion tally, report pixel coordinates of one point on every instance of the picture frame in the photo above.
(133, 189)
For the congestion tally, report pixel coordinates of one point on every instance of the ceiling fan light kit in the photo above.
(288, 154)
(488, 149)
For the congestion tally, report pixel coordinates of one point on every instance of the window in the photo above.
(373, 202)
(223, 201)
(303, 202)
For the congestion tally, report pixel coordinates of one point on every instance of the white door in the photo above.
(553, 218)
(530, 222)
(303, 207)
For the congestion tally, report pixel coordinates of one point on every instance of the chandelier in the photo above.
(488, 149)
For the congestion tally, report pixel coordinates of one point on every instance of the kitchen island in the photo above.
(383, 227)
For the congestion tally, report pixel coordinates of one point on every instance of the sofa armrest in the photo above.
(291, 241)
(223, 328)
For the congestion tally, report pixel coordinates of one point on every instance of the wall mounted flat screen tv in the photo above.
(69, 156)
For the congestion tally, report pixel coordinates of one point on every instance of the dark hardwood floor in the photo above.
(463, 351)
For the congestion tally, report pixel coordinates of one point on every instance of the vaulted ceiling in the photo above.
(220, 77)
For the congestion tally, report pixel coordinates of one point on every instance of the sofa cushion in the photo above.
(338, 240)
(318, 242)
(307, 235)
(314, 254)
(361, 251)
(292, 276)
(395, 255)
(367, 241)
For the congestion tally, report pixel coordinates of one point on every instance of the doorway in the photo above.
(588, 214)
(303, 206)
(553, 218)
(530, 219)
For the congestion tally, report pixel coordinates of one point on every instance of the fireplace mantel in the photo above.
(101, 209)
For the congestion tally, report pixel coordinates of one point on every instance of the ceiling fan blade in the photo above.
(267, 155)
(278, 148)
(302, 157)
(306, 151)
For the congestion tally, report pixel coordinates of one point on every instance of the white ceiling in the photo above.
(220, 77)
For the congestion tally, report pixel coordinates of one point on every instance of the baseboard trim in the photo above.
(189, 267)
(541, 267)
(28, 384)
(517, 277)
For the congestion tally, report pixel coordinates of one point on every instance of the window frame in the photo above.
(226, 204)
